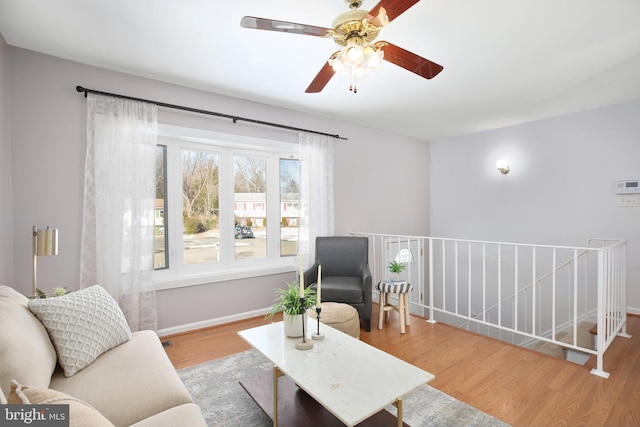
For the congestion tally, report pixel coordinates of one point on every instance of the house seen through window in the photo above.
(224, 206)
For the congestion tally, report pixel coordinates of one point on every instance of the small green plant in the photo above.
(288, 300)
(56, 292)
(396, 267)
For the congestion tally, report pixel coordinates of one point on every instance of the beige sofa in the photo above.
(132, 384)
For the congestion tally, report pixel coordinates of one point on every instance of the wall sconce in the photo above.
(502, 166)
(45, 243)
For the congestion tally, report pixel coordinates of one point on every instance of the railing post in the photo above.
(533, 292)
(431, 319)
(500, 286)
(600, 346)
(575, 297)
(553, 295)
(469, 309)
(455, 262)
(484, 282)
(515, 286)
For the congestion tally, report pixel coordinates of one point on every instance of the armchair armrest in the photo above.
(367, 287)
(311, 275)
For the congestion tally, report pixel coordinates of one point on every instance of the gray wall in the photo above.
(6, 252)
(560, 190)
(48, 142)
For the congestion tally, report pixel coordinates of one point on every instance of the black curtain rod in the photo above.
(210, 113)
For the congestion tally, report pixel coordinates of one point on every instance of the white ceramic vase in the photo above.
(293, 325)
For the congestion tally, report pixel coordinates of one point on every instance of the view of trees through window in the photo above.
(200, 206)
(161, 260)
(201, 192)
(250, 205)
(289, 206)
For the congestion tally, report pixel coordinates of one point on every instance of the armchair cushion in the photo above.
(342, 289)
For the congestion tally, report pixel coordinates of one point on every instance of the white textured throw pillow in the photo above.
(82, 325)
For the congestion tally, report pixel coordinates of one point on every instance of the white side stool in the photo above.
(402, 289)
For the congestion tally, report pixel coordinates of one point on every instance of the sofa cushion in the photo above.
(26, 352)
(128, 383)
(82, 325)
(81, 414)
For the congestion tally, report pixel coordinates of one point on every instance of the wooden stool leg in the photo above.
(406, 309)
(386, 307)
(381, 310)
(401, 312)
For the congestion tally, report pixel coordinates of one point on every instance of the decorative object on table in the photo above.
(45, 243)
(288, 301)
(302, 343)
(395, 268)
(318, 335)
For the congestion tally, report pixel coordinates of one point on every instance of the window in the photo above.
(224, 209)
(200, 204)
(161, 260)
(289, 206)
(250, 195)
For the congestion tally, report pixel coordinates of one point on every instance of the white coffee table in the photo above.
(348, 377)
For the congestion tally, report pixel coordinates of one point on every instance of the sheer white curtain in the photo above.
(316, 191)
(119, 202)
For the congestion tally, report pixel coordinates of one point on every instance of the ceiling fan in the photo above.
(355, 31)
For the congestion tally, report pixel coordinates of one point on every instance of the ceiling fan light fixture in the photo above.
(372, 56)
(353, 52)
(337, 64)
(355, 32)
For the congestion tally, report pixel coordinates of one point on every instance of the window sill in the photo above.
(173, 282)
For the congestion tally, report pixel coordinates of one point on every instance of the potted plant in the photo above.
(55, 292)
(288, 301)
(396, 267)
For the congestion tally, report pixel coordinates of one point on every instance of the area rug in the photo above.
(215, 387)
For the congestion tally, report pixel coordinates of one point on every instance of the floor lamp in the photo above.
(45, 243)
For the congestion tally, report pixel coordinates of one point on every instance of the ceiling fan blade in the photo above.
(285, 27)
(321, 79)
(394, 8)
(410, 61)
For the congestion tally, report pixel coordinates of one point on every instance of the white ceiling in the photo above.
(505, 61)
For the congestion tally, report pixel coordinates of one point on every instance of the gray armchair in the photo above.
(346, 277)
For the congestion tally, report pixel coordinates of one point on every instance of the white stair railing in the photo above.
(512, 291)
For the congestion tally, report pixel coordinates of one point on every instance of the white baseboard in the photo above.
(633, 310)
(211, 322)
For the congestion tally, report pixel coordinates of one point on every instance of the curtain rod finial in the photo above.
(81, 89)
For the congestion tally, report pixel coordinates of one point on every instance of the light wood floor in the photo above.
(518, 386)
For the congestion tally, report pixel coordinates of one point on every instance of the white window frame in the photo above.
(227, 268)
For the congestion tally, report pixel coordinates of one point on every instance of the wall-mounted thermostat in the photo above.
(628, 187)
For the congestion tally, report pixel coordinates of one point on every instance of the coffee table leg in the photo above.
(277, 373)
(398, 404)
